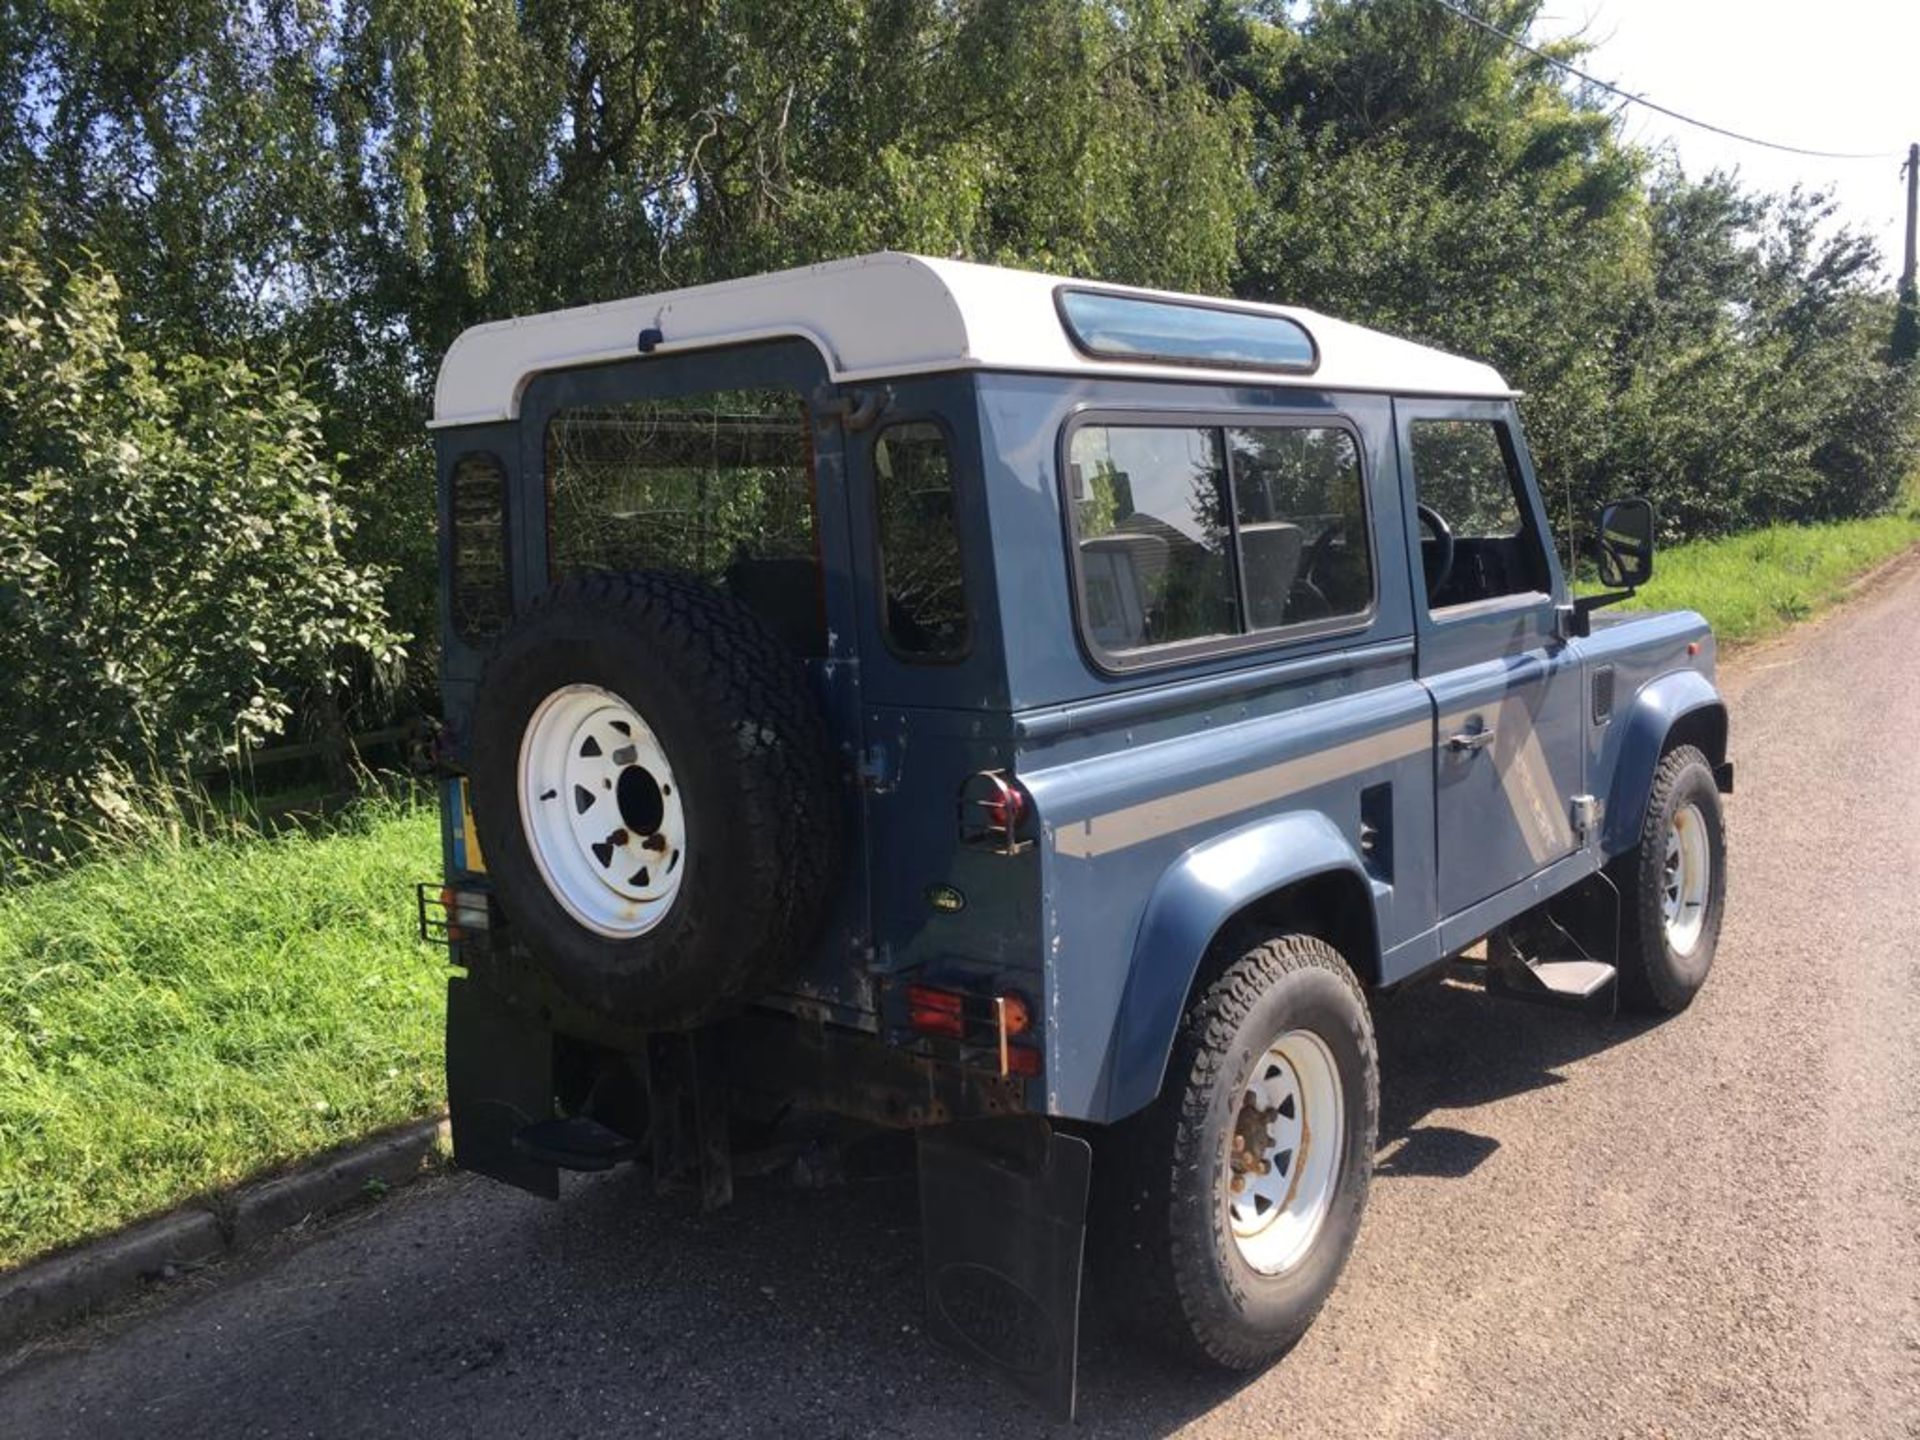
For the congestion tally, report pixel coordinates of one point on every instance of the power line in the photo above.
(1519, 44)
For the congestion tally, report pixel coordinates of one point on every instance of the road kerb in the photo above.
(73, 1282)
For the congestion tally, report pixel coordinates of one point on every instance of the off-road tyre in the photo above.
(748, 745)
(1163, 1233)
(1653, 977)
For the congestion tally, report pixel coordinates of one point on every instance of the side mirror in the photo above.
(1626, 544)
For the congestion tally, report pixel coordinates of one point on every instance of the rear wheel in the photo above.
(1237, 1196)
(1673, 887)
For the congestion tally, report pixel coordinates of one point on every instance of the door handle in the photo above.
(1468, 741)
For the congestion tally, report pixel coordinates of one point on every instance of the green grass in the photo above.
(175, 1020)
(1754, 585)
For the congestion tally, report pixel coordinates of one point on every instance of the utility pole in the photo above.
(1905, 347)
(1913, 205)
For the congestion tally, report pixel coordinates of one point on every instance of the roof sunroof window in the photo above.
(1132, 327)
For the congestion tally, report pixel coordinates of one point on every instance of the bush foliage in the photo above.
(171, 572)
(332, 191)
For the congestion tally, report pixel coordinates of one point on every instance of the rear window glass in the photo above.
(1130, 327)
(1189, 534)
(718, 486)
(925, 599)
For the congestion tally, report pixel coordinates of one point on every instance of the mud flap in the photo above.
(499, 1080)
(687, 1115)
(1003, 1217)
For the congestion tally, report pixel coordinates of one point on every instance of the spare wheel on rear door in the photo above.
(655, 795)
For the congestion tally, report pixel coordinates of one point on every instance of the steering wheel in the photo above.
(1443, 551)
(1308, 601)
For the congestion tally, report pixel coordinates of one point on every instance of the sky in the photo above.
(1840, 75)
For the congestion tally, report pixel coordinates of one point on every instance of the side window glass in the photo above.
(1464, 473)
(1150, 520)
(477, 505)
(718, 486)
(1302, 524)
(925, 596)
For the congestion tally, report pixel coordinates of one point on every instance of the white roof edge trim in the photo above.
(891, 314)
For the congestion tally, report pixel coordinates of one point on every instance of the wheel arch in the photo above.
(1297, 871)
(1678, 708)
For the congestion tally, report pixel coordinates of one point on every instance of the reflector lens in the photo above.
(1022, 1061)
(1017, 1018)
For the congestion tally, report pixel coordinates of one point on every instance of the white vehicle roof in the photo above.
(897, 314)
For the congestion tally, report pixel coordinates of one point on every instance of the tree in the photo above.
(327, 193)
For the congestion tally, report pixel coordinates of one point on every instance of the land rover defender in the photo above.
(1042, 716)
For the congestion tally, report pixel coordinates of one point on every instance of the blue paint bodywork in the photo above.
(1169, 799)
(1197, 897)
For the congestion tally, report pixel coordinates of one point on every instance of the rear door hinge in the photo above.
(854, 409)
(877, 768)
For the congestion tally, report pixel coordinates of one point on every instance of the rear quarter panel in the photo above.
(1115, 825)
(1132, 772)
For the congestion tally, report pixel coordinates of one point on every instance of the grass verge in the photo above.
(1756, 584)
(178, 1019)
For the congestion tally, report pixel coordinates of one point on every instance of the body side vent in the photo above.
(1602, 694)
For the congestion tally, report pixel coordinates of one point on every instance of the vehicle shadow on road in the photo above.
(1444, 1047)
(1450, 1046)
(469, 1308)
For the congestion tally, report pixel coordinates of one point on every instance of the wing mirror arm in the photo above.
(1626, 563)
(1576, 616)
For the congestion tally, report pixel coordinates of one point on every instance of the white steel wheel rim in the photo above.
(1685, 879)
(602, 811)
(1288, 1138)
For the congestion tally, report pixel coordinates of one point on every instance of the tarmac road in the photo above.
(1705, 1227)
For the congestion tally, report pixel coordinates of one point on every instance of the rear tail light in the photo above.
(448, 914)
(467, 912)
(980, 1023)
(937, 1012)
(995, 813)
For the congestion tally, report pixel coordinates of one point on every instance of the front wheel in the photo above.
(1673, 886)
(1239, 1192)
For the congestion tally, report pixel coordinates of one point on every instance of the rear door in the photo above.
(721, 464)
(1507, 690)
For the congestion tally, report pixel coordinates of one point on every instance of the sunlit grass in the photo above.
(1754, 585)
(176, 1019)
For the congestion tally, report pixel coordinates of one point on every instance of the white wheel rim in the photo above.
(1685, 880)
(593, 778)
(1286, 1147)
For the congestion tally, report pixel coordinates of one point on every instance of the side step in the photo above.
(575, 1143)
(1570, 984)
